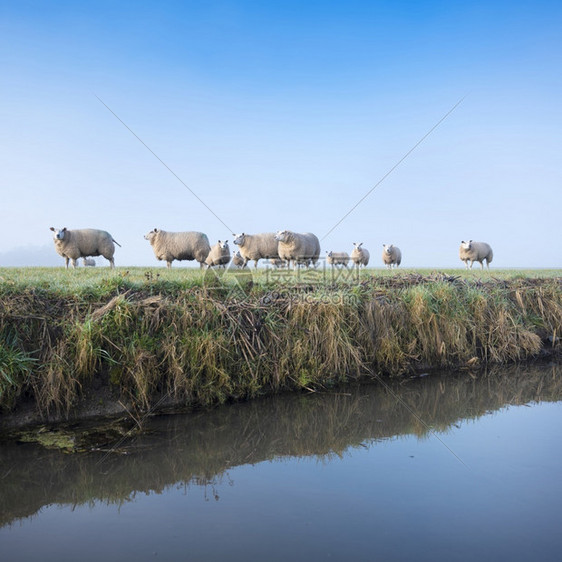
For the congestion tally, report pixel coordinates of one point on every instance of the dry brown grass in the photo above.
(207, 344)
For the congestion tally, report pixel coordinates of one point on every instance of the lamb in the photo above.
(256, 246)
(298, 248)
(170, 246)
(476, 251)
(219, 255)
(391, 255)
(360, 256)
(237, 259)
(89, 262)
(82, 243)
(337, 258)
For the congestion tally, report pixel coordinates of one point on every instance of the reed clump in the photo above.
(205, 340)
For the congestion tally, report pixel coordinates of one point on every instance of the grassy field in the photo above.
(85, 279)
(203, 337)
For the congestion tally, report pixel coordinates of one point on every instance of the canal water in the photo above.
(443, 467)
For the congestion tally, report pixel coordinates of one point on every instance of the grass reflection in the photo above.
(200, 447)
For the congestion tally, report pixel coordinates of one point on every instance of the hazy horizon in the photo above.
(284, 115)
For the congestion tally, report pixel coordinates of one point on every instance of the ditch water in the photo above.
(443, 467)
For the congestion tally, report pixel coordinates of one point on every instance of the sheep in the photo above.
(219, 255)
(256, 246)
(360, 256)
(82, 243)
(337, 258)
(298, 248)
(277, 262)
(237, 259)
(476, 251)
(89, 262)
(391, 255)
(170, 246)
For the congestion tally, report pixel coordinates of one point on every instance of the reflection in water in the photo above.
(200, 447)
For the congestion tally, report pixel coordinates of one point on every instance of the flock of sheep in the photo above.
(283, 249)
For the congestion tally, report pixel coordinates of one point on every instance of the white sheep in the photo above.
(360, 256)
(170, 246)
(298, 248)
(391, 255)
(337, 258)
(89, 262)
(476, 251)
(219, 255)
(256, 246)
(82, 243)
(237, 259)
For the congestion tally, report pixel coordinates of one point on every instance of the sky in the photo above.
(250, 116)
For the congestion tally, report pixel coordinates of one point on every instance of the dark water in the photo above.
(439, 468)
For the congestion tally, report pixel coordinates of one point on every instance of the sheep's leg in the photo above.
(111, 263)
(168, 264)
(73, 262)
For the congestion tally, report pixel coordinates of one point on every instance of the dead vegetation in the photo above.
(205, 344)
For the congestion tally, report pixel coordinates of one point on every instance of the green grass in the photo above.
(83, 281)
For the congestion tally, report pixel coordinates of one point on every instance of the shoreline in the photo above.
(138, 342)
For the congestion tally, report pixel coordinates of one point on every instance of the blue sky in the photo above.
(282, 115)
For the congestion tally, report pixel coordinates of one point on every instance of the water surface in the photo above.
(445, 467)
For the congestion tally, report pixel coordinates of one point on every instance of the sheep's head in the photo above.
(282, 236)
(58, 233)
(466, 245)
(150, 235)
(223, 245)
(239, 239)
(387, 249)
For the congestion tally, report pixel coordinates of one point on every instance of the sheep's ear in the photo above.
(52, 228)
(226, 241)
(64, 229)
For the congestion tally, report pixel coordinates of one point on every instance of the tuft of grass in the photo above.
(16, 369)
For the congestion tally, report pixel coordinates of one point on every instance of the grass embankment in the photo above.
(198, 338)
